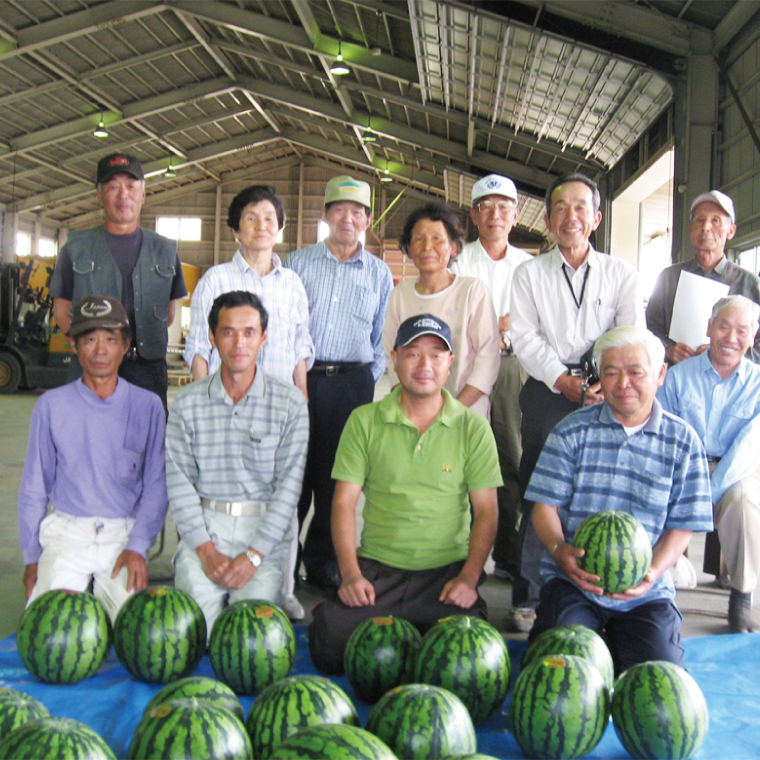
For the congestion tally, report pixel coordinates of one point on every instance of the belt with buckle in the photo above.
(507, 351)
(335, 368)
(574, 370)
(235, 508)
(713, 460)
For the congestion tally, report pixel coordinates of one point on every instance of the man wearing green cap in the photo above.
(348, 290)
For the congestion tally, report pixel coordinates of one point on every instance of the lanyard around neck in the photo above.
(578, 302)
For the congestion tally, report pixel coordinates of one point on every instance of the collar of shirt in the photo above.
(91, 397)
(239, 260)
(390, 410)
(358, 258)
(741, 372)
(511, 257)
(719, 268)
(652, 425)
(216, 389)
(558, 260)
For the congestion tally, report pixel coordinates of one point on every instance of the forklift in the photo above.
(33, 352)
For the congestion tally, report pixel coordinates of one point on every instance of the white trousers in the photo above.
(76, 550)
(231, 536)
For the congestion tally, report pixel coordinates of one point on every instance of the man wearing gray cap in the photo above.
(348, 290)
(96, 457)
(713, 224)
(124, 261)
(421, 458)
(493, 260)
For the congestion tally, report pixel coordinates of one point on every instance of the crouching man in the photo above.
(96, 458)
(625, 454)
(235, 452)
(420, 458)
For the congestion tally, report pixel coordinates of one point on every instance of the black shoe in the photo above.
(325, 577)
(740, 612)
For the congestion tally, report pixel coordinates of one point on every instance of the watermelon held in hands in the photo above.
(289, 705)
(338, 742)
(560, 707)
(17, 708)
(617, 549)
(59, 738)
(189, 729)
(423, 721)
(63, 636)
(380, 655)
(160, 634)
(573, 639)
(199, 687)
(252, 645)
(469, 657)
(659, 711)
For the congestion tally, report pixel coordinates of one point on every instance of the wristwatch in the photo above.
(255, 557)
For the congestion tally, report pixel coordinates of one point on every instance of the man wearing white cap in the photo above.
(348, 290)
(713, 223)
(493, 260)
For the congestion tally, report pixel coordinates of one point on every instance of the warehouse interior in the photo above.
(658, 100)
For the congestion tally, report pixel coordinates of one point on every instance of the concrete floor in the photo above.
(703, 608)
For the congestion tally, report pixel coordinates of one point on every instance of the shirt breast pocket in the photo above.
(259, 454)
(130, 467)
(734, 419)
(363, 303)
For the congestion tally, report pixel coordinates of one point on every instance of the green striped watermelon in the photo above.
(17, 708)
(160, 634)
(422, 721)
(659, 711)
(252, 645)
(560, 707)
(473, 756)
(199, 687)
(338, 742)
(617, 548)
(59, 738)
(469, 657)
(63, 636)
(291, 704)
(380, 655)
(573, 639)
(190, 729)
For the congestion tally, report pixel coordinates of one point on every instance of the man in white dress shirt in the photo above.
(493, 260)
(562, 301)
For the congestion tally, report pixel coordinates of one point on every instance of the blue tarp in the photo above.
(727, 668)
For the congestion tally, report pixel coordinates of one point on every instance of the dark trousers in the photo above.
(408, 594)
(144, 373)
(541, 410)
(651, 631)
(331, 401)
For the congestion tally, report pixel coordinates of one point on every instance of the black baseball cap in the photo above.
(97, 312)
(422, 324)
(118, 163)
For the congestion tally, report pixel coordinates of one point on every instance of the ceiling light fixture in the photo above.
(368, 135)
(385, 176)
(170, 173)
(339, 67)
(100, 130)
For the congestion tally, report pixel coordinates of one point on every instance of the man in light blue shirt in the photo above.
(718, 394)
(629, 455)
(348, 290)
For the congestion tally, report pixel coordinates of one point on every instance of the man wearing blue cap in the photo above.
(420, 457)
(348, 290)
(713, 224)
(492, 259)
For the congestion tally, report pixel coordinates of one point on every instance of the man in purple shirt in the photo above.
(93, 492)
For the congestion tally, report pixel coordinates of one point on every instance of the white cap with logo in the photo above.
(721, 199)
(494, 184)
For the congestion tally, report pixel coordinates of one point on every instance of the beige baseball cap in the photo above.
(721, 199)
(345, 188)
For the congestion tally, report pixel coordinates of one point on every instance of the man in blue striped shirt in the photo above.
(348, 290)
(626, 454)
(718, 394)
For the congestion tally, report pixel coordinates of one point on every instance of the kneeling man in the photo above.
(421, 458)
(718, 394)
(235, 452)
(93, 493)
(626, 454)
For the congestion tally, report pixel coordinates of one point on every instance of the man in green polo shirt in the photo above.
(421, 459)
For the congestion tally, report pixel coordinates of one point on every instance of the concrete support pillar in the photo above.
(10, 229)
(218, 224)
(299, 225)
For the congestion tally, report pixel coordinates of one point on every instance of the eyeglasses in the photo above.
(488, 207)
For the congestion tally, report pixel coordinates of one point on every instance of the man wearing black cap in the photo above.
(127, 262)
(96, 457)
(420, 457)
